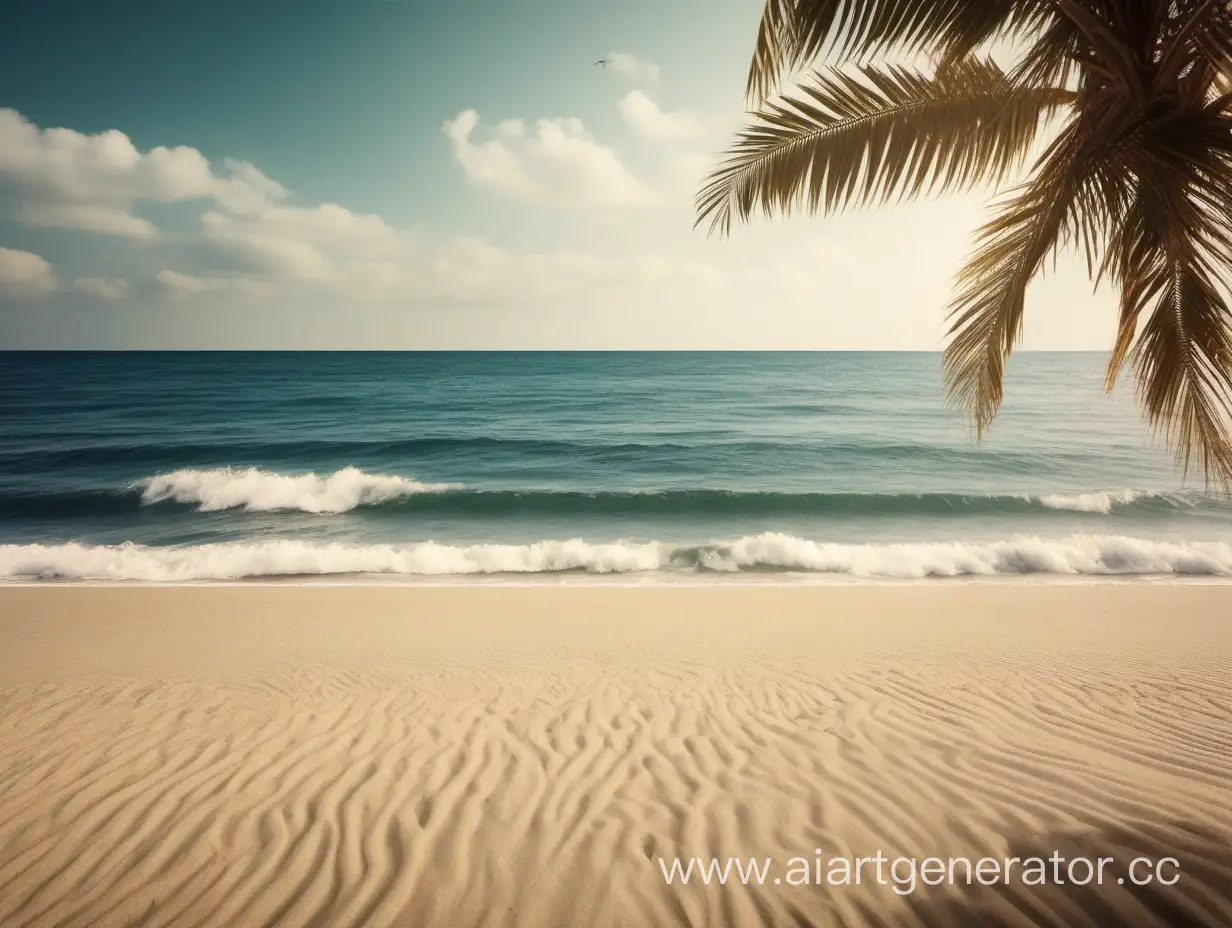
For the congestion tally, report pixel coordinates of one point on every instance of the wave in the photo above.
(122, 450)
(717, 502)
(1080, 555)
(262, 491)
(256, 490)
(1104, 501)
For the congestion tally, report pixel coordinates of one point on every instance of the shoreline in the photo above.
(643, 580)
(766, 558)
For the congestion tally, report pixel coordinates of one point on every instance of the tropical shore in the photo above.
(529, 756)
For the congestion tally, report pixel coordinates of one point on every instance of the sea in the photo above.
(525, 467)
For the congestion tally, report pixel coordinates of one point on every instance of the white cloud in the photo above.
(324, 226)
(183, 285)
(24, 275)
(69, 180)
(354, 255)
(677, 134)
(633, 285)
(253, 242)
(264, 250)
(462, 270)
(85, 217)
(246, 189)
(653, 122)
(632, 67)
(558, 164)
(326, 244)
(101, 287)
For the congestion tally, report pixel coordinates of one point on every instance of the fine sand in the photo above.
(525, 756)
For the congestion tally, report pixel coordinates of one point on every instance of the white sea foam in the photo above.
(236, 560)
(1076, 555)
(1097, 501)
(1094, 555)
(259, 490)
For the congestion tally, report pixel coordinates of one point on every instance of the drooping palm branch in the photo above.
(1138, 174)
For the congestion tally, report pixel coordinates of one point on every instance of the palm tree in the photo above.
(1134, 99)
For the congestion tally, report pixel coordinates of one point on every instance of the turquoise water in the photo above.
(211, 466)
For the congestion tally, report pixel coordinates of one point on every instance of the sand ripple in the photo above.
(528, 786)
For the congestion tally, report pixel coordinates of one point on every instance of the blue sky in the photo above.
(395, 174)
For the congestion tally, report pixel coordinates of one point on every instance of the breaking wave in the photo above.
(1104, 501)
(1079, 555)
(253, 489)
(261, 491)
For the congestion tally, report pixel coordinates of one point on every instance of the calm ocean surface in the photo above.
(222, 466)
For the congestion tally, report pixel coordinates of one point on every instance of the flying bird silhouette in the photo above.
(602, 63)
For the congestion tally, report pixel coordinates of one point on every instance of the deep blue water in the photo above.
(174, 466)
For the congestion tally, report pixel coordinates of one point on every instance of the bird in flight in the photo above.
(602, 63)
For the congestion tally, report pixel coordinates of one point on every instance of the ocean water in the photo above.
(174, 467)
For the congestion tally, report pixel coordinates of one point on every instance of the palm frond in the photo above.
(1171, 259)
(795, 32)
(1212, 39)
(987, 310)
(1050, 56)
(1137, 264)
(976, 24)
(1183, 362)
(1140, 176)
(1180, 35)
(1104, 27)
(876, 132)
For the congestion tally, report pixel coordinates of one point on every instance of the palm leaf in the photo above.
(1183, 362)
(1183, 36)
(795, 32)
(877, 132)
(1208, 32)
(1104, 29)
(1140, 177)
(1171, 257)
(987, 311)
(1050, 56)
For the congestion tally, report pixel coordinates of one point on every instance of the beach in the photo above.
(535, 756)
(434, 495)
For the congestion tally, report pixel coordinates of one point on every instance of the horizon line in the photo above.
(936, 351)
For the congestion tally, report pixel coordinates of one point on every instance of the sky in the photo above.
(404, 175)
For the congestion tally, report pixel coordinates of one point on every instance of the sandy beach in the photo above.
(531, 756)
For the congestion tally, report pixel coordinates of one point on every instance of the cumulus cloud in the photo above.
(24, 275)
(459, 270)
(356, 255)
(630, 66)
(677, 135)
(184, 285)
(326, 244)
(101, 287)
(252, 239)
(104, 219)
(69, 180)
(557, 163)
(245, 189)
(261, 250)
(653, 122)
